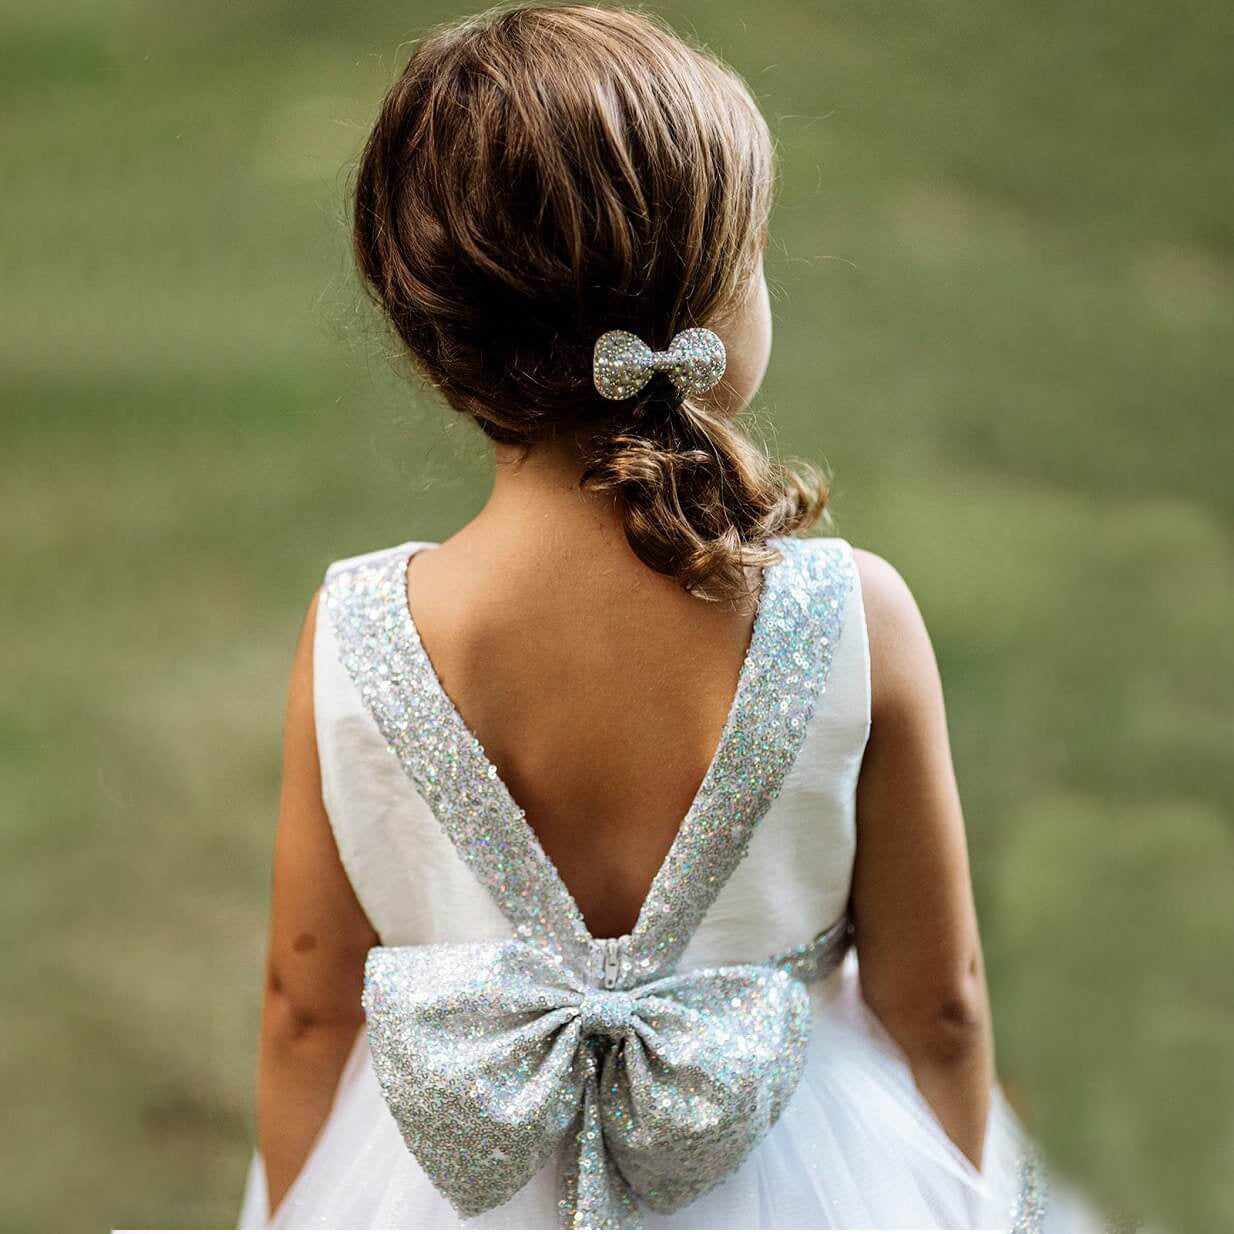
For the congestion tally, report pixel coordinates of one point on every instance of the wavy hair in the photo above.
(538, 175)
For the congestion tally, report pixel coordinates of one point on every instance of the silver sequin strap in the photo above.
(381, 649)
(821, 956)
(784, 677)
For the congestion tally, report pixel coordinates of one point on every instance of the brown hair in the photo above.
(538, 175)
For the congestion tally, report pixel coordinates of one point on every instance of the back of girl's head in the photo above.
(539, 175)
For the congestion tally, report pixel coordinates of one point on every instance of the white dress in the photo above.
(438, 853)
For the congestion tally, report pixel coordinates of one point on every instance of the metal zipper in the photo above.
(612, 963)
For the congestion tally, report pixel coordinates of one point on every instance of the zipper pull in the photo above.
(612, 962)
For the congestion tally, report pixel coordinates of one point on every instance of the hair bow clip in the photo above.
(623, 364)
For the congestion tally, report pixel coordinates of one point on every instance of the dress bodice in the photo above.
(438, 852)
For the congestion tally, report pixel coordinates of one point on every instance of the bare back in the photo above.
(598, 689)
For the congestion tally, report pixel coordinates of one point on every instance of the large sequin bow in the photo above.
(494, 1056)
(622, 364)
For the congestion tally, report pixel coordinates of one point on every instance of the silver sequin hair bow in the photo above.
(623, 364)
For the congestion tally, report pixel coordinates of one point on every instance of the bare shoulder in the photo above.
(300, 692)
(889, 603)
(902, 664)
(308, 628)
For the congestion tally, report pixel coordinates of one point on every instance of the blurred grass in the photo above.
(1004, 300)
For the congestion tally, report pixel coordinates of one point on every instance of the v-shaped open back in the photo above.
(800, 619)
(466, 738)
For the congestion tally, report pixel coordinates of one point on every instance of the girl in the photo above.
(620, 874)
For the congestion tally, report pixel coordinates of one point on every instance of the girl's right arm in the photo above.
(319, 937)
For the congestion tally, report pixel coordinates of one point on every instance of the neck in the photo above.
(536, 491)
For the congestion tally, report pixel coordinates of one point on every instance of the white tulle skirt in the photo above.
(857, 1147)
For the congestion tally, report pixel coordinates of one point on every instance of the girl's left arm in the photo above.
(916, 926)
(319, 937)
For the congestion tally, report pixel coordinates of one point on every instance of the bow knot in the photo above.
(623, 364)
(605, 1013)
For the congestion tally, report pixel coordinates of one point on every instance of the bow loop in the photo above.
(623, 364)
(493, 1056)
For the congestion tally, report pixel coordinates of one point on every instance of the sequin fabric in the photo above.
(622, 364)
(382, 652)
(494, 1056)
(1032, 1195)
(653, 1086)
(1031, 1212)
(801, 614)
(818, 958)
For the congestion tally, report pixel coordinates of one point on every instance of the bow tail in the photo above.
(594, 1196)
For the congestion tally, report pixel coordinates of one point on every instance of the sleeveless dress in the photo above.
(714, 1068)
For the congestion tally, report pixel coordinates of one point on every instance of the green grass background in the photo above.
(1004, 310)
